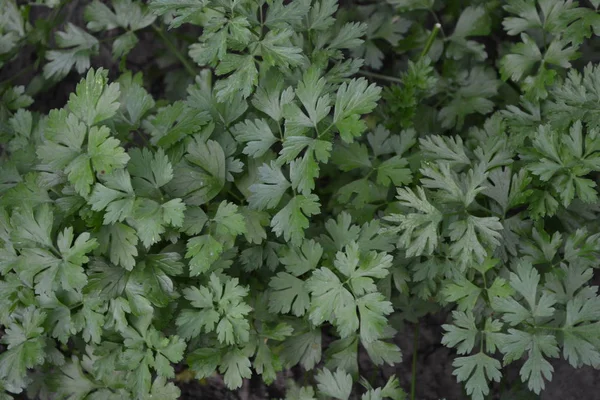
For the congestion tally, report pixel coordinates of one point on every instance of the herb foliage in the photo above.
(308, 171)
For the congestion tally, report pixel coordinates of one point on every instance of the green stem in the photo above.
(171, 47)
(319, 135)
(430, 39)
(484, 280)
(380, 76)
(413, 382)
(437, 20)
(235, 196)
(144, 139)
(17, 75)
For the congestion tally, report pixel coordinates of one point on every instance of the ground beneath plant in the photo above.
(434, 375)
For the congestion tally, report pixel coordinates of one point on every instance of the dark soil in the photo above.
(434, 379)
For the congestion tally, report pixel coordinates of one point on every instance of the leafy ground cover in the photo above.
(302, 199)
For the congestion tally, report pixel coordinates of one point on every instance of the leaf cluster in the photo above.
(291, 183)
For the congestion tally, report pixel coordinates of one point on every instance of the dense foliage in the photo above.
(279, 172)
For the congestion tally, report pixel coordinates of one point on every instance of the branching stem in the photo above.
(173, 49)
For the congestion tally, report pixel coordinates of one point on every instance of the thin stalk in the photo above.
(17, 75)
(173, 49)
(435, 17)
(413, 382)
(235, 196)
(380, 76)
(430, 39)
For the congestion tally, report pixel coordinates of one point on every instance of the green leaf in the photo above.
(289, 295)
(521, 60)
(201, 176)
(331, 301)
(542, 248)
(203, 251)
(271, 99)
(419, 230)
(449, 149)
(273, 184)
(242, 79)
(149, 168)
(580, 331)
(105, 151)
(115, 196)
(299, 393)
(27, 192)
(474, 237)
(163, 390)
(473, 21)
(362, 268)
(174, 122)
(563, 162)
(337, 385)
(462, 333)
(525, 281)
(152, 279)
(25, 348)
(183, 10)
(321, 15)
(35, 226)
(298, 261)
(77, 46)
(221, 309)
(352, 99)
(277, 50)
(256, 135)
(127, 14)
(63, 150)
(352, 156)
(267, 363)
(477, 370)
(117, 311)
(412, 4)
(291, 221)
(348, 36)
(310, 93)
(64, 135)
(382, 352)
(94, 101)
(228, 220)
(73, 382)
(392, 172)
(536, 367)
(284, 15)
(303, 349)
(51, 273)
(204, 361)
(476, 87)
(373, 309)
(235, 366)
(462, 291)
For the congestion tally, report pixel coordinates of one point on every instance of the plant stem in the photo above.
(173, 49)
(435, 17)
(413, 382)
(235, 196)
(380, 76)
(430, 39)
(17, 75)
